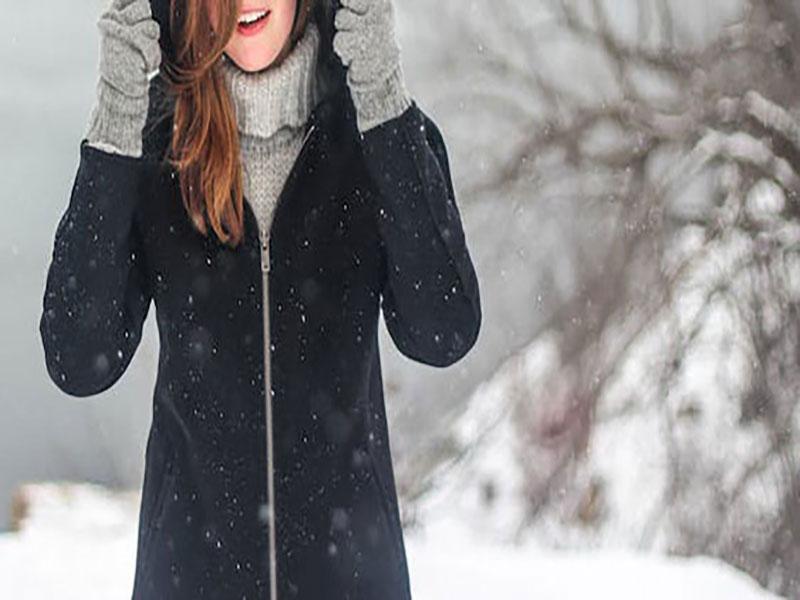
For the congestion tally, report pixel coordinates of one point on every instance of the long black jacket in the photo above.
(250, 495)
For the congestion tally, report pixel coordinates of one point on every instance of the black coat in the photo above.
(364, 224)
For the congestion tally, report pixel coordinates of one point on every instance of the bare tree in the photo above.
(674, 157)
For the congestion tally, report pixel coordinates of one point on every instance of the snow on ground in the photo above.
(78, 543)
(448, 563)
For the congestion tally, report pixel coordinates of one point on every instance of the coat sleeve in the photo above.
(430, 294)
(96, 295)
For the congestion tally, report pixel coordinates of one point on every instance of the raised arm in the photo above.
(97, 295)
(430, 297)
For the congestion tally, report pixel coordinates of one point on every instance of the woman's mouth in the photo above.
(251, 22)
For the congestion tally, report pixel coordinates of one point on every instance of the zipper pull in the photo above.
(265, 254)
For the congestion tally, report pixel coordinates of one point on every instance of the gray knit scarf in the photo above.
(272, 107)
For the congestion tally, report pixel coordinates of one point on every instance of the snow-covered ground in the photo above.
(78, 542)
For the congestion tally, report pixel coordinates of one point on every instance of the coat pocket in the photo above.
(155, 515)
(388, 504)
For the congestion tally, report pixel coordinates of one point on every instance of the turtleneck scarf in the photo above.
(272, 107)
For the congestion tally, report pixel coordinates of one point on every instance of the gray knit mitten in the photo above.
(365, 40)
(129, 58)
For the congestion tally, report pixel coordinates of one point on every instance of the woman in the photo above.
(271, 190)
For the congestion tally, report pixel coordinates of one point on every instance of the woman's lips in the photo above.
(254, 27)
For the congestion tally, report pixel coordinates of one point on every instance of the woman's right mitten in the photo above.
(130, 56)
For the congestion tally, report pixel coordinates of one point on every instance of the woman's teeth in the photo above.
(252, 17)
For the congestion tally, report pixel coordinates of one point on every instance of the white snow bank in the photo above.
(78, 542)
(448, 564)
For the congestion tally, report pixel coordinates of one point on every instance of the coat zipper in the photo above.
(264, 238)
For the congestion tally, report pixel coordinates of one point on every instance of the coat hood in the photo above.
(332, 71)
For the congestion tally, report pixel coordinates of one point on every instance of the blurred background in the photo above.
(627, 174)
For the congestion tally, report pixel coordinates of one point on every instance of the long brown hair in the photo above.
(204, 147)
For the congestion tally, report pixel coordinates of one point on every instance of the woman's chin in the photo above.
(255, 68)
(251, 64)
